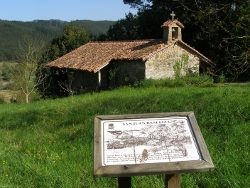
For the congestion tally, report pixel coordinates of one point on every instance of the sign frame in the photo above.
(204, 163)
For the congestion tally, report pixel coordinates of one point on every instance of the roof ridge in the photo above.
(196, 51)
(120, 41)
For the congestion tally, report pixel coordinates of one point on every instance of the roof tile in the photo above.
(93, 56)
(170, 22)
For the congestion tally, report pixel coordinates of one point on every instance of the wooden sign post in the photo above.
(124, 182)
(146, 144)
(173, 181)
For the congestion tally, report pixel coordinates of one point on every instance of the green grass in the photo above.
(50, 143)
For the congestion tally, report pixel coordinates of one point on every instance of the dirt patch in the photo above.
(7, 95)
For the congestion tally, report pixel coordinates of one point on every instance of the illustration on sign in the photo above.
(138, 141)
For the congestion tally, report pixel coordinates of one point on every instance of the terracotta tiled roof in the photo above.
(170, 22)
(93, 56)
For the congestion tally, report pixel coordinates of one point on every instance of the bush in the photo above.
(177, 82)
(6, 71)
(208, 84)
(220, 79)
(198, 79)
(34, 97)
(2, 101)
(173, 83)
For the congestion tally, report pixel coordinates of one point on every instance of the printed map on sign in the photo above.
(138, 141)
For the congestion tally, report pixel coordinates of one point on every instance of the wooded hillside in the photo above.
(11, 32)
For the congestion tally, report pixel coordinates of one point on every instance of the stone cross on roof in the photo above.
(173, 15)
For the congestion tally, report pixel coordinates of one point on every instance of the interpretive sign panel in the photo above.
(137, 144)
(151, 140)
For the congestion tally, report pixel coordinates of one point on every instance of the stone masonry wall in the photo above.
(161, 64)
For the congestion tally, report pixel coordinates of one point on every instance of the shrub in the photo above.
(220, 79)
(6, 71)
(2, 101)
(174, 83)
(208, 84)
(198, 79)
(193, 79)
(35, 97)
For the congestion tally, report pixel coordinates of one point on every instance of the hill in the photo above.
(50, 143)
(11, 32)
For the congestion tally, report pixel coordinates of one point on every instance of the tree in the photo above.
(124, 29)
(135, 27)
(223, 25)
(236, 43)
(142, 3)
(24, 73)
(6, 71)
(71, 38)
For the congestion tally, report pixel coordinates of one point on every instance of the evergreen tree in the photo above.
(124, 29)
(218, 29)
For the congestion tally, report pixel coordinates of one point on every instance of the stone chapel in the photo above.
(114, 63)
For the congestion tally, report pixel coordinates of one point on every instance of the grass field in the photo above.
(50, 143)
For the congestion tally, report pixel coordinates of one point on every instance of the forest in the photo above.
(12, 32)
(218, 29)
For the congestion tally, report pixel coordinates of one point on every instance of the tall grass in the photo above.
(50, 143)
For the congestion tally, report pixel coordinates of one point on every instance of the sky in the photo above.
(66, 10)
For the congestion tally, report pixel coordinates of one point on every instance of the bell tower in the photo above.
(172, 29)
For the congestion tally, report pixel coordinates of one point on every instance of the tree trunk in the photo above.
(27, 98)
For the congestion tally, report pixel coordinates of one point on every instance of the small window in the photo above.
(174, 32)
